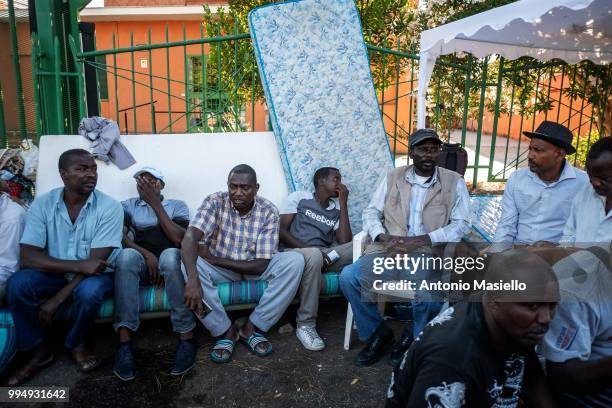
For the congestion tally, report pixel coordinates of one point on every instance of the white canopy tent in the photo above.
(570, 30)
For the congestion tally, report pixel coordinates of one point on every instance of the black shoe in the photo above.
(124, 362)
(380, 341)
(398, 350)
(184, 357)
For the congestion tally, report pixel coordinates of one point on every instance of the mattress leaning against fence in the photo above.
(316, 76)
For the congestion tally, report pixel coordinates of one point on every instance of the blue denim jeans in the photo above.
(132, 272)
(29, 288)
(354, 285)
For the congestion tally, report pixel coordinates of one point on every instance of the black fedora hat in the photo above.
(554, 133)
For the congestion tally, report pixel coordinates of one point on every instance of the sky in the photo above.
(96, 3)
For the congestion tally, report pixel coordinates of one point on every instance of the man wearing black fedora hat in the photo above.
(537, 199)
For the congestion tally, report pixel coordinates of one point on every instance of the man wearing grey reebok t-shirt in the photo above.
(317, 226)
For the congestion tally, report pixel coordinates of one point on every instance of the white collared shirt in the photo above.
(12, 221)
(588, 222)
(533, 210)
(459, 222)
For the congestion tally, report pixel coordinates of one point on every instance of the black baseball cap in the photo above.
(423, 134)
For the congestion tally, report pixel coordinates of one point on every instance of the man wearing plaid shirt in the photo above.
(234, 236)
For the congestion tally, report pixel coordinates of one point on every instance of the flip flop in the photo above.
(27, 372)
(254, 340)
(88, 362)
(226, 346)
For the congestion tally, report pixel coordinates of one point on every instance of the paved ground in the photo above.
(290, 377)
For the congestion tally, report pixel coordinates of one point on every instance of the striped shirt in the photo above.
(238, 237)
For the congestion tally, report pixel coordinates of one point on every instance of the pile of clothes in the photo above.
(11, 173)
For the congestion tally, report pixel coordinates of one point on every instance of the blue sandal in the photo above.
(254, 340)
(226, 346)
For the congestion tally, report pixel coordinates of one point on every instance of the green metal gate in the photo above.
(211, 84)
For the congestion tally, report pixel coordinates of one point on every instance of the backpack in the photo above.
(453, 157)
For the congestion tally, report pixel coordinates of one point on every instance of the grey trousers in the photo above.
(312, 278)
(283, 275)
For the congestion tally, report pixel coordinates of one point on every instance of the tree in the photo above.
(397, 24)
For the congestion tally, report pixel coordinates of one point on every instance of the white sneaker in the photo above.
(310, 338)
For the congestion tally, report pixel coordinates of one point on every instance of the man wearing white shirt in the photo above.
(537, 200)
(590, 219)
(414, 207)
(578, 347)
(12, 221)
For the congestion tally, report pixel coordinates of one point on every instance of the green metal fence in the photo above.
(211, 84)
(482, 104)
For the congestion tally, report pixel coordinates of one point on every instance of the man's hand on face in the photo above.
(343, 193)
(150, 192)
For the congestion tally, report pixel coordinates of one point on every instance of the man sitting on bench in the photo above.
(153, 231)
(239, 234)
(71, 239)
(317, 226)
(12, 221)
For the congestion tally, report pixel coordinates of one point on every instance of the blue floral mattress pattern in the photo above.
(317, 81)
(485, 213)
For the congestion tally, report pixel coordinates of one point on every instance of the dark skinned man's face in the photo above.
(242, 191)
(425, 155)
(600, 174)
(81, 176)
(156, 183)
(331, 183)
(544, 156)
(527, 322)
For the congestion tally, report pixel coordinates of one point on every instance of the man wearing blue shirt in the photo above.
(71, 238)
(537, 200)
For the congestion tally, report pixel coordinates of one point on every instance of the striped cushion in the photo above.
(154, 299)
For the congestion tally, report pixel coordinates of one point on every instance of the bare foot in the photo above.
(40, 358)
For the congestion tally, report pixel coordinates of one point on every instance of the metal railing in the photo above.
(211, 84)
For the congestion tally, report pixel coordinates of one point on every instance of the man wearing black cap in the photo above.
(537, 200)
(414, 207)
